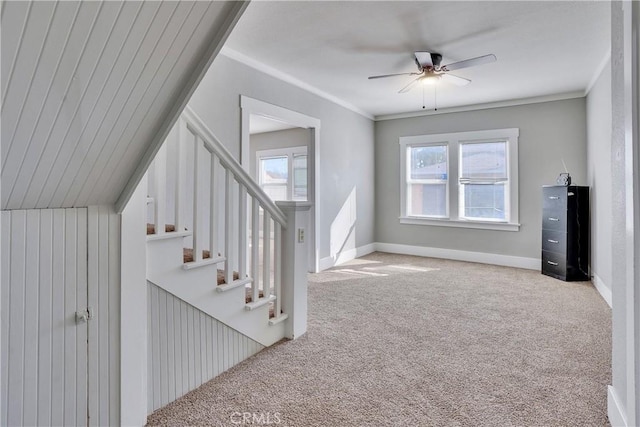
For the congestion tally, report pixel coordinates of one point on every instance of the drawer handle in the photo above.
(554, 219)
(554, 197)
(552, 241)
(552, 263)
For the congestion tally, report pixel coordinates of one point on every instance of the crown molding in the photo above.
(287, 78)
(598, 72)
(484, 106)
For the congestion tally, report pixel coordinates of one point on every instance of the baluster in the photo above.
(242, 232)
(160, 181)
(228, 218)
(255, 248)
(197, 245)
(180, 171)
(277, 267)
(266, 257)
(213, 224)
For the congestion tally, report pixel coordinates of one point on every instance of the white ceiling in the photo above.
(544, 48)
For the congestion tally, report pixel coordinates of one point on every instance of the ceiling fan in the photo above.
(431, 71)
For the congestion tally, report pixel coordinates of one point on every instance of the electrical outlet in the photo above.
(300, 235)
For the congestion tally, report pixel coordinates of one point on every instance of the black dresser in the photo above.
(565, 232)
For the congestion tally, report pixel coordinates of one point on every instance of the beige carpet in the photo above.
(409, 341)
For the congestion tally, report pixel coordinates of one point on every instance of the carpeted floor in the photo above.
(408, 341)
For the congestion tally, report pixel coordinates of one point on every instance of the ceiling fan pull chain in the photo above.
(423, 106)
(435, 97)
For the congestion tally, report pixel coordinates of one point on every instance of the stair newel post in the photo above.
(242, 232)
(197, 244)
(228, 223)
(213, 223)
(294, 266)
(255, 248)
(266, 254)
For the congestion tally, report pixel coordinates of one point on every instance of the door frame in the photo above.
(249, 106)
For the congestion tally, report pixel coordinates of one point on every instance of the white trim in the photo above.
(287, 78)
(347, 255)
(598, 72)
(484, 106)
(453, 142)
(454, 254)
(483, 225)
(614, 409)
(251, 106)
(602, 288)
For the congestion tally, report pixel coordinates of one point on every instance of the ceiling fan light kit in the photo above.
(431, 72)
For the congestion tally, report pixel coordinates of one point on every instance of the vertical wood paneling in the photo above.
(44, 352)
(104, 329)
(187, 347)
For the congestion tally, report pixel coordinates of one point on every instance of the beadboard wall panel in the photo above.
(56, 262)
(87, 86)
(187, 347)
(44, 282)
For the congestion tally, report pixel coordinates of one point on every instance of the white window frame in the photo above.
(290, 153)
(453, 141)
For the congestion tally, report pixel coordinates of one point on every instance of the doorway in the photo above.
(260, 115)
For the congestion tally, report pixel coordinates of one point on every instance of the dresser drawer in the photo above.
(554, 265)
(554, 241)
(554, 198)
(554, 219)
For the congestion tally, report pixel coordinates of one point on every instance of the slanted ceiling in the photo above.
(87, 89)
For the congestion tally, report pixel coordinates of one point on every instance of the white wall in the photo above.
(187, 348)
(599, 179)
(549, 132)
(346, 146)
(624, 393)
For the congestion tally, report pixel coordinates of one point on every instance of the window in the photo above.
(465, 179)
(282, 173)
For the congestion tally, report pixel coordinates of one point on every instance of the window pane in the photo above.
(300, 177)
(274, 170)
(429, 162)
(484, 160)
(427, 200)
(482, 201)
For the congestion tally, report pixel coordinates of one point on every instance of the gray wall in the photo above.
(599, 175)
(278, 139)
(346, 140)
(548, 132)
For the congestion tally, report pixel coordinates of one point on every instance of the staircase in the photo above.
(216, 241)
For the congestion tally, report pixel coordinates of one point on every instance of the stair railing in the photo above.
(193, 179)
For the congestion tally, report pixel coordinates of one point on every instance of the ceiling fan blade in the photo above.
(408, 87)
(423, 59)
(393, 75)
(456, 80)
(470, 62)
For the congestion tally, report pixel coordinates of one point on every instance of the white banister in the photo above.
(160, 190)
(197, 244)
(242, 232)
(213, 223)
(277, 269)
(266, 251)
(229, 163)
(180, 166)
(228, 218)
(255, 248)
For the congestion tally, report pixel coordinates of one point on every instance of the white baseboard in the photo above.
(454, 254)
(345, 256)
(602, 288)
(614, 410)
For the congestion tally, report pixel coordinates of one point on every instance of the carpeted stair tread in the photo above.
(168, 228)
(221, 277)
(249, 295)
(187, 254)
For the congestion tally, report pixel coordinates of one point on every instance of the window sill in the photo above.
(482, 225)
